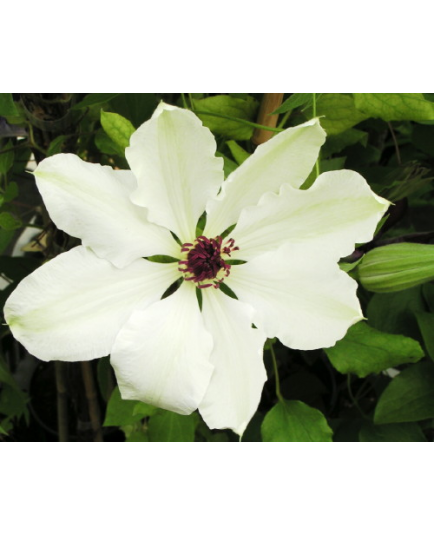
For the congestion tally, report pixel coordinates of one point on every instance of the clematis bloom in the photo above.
(104, 297)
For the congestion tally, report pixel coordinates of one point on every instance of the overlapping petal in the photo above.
(299, 295)
(73, 307)
(161, 355)
(173, 157)
(287, 158)
(338, 211)
(92, 202)
(239, 374)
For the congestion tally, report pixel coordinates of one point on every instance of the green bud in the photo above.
(396, 267)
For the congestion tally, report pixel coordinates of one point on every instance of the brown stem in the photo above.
(92, 400)
(62, 401)
(270, 101)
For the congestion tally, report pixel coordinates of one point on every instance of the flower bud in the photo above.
(396, 267)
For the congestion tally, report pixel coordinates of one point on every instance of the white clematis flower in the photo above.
(104, 297)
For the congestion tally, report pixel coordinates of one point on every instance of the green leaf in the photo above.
(402, 181)
(409, 397)
(137, 107)
(56, 146)
(231, 107)
(428, 295)
(3, 430)
(5, 239)
(292, 420)
(144, 410)
(169, 426)
(338, 142)
(339, 112)
(228, 164)
(364, 350)
(7, 105)
(396, 267)
(294, 101)
(426, 326)
(9, 222)
(118, 129)
(94, 98)
(138, 435)
(11, 192)
(121, 412)
(239, 154)
(13, 402)
(403, 432)
(331, 164)
(395, 106)
(395, 312)
(106, 145)
(7, 158)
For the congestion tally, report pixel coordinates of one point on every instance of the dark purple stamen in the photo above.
(204, 261)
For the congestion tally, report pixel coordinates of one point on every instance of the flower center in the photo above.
(205, 262)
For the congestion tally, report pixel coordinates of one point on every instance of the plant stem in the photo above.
(353, 399)
(270, 102)
(276, 373)
(395, 143)
(92, 400)
(184, 101)
(62, 401)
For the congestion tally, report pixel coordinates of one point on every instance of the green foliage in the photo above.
(365, 350)
(395, 312)
(10, 193)
(395, 106)
(406, 432)
(409, 397)
(124, 412)
(295, 101)
(136, 107)
(228, 164)
(230, 107)
(338, 142)
(6, 157)
(169, 426)
(94, 99)
(239, 154)
(9, 222)
(13, 401)
(118, 129)
(426, 325)
(57, 145)
(7, 106)
(339, 111)
(292, 420)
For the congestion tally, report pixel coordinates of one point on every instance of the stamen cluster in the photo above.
(205, 264)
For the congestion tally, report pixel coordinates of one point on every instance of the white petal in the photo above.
(173, 157)
(236, 385)
(161, 355)
(337, 212)
(288, 157)
(72, 307)
(299, 295)
(92, 202)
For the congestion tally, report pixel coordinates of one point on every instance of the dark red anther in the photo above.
(204, 261)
